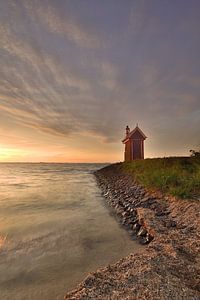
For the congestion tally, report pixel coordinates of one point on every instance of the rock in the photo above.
(125, 213)
(142, 232)
(149, 238)
(136, 227)
(145, 199)
(173, 223)
(170, 223)
(159, 213)
(143, 240)
(89, 280)
(123, 221)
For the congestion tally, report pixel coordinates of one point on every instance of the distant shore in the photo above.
(168, 267)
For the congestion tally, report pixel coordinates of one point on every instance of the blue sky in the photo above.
(75, 73)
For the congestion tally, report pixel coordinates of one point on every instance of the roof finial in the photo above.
(127, 130)
(136, 124)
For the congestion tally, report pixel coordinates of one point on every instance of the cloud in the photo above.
(58, 79)
(51, 97)
(109, 76)
(65, 26)
(141, 19)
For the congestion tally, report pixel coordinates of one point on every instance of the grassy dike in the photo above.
(141, 195)
(176, 176)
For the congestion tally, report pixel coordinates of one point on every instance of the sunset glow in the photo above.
(10, 154)
(75, 73)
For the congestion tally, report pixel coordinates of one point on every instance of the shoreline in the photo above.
(168, 266)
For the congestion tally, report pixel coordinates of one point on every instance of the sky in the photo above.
(74, 73)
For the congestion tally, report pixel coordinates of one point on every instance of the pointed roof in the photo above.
(136, 129)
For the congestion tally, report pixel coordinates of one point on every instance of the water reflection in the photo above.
(57, 227)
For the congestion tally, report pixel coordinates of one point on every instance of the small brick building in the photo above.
(134, 144)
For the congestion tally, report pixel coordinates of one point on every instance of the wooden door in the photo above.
(137, 149)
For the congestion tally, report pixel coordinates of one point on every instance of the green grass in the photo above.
(177, 176)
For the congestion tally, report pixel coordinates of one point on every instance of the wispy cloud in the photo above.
(65, 26)
(72, 70)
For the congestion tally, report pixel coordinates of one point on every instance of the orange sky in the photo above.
(75, 73)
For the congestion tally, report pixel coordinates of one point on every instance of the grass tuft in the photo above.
(177, 176)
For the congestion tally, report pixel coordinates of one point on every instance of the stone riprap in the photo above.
(169, 265)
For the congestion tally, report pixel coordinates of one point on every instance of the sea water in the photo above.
(54, 229)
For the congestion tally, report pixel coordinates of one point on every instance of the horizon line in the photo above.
(51, 162)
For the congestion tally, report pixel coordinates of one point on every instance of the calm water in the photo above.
(54, 229)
